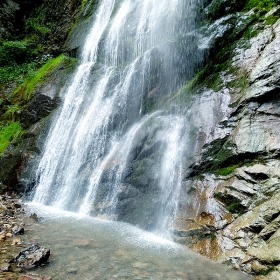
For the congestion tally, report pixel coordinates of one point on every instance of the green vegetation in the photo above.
(8, 133)
(232, 204)
(12, 52)
(266, 5)
(25, 90)
(261, 8)
(266, 271)
(10, 113)
(191, 189)
(16, 73)
(226, 170)
(211, 235)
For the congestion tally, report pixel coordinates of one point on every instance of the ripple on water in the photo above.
(88, 248)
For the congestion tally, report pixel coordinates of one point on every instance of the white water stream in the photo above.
(96, 128)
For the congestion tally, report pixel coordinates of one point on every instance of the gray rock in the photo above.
(259, 133)
(40, 107)
(264, 78)
(17, 230)
(32, 256)
(8, 9)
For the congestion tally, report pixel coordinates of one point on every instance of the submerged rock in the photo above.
(33, 276)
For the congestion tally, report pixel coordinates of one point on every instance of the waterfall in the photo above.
(112, 149)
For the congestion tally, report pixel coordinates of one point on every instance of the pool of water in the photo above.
(83, 247)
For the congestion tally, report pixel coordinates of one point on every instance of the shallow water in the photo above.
(83, 247)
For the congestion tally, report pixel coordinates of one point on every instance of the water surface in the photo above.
(83, 247)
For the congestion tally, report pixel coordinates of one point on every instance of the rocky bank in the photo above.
(18, 256)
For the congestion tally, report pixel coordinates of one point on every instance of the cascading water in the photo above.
(110, 151)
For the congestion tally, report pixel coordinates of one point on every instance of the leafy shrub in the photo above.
(12, 52)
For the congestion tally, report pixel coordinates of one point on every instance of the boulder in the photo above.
(32, 256)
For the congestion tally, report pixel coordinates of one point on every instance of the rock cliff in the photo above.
(230, 210)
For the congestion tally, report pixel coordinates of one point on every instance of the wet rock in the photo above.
(40, 107)
(16, 230)
(258, 267)
(5, 267)
(32, 256)
(72, 271)
(82, 243)
(246, 166)
(270, 229)
(9, 234)
(2, 188)
(17, 205)
(35, 217)
(17, 241)
(33, 276)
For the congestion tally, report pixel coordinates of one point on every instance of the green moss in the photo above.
(266, 271)
(232, 204)
(271, 19)
(86, 10)
(191, 189)
(148, 104)
(266, 5)
(226, 170)
(231, 188)
(234, 104)
(10, 112)
(8, 133)
(26, 89)
(211, 235)
(225, 152)
(235, 207)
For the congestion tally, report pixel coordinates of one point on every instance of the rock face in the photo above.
(8, 11)
(230, 208)
(38, 108)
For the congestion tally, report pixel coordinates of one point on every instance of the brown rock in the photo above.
(5, 267)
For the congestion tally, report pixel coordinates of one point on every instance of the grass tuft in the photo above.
(27, 87)
(8, 133)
